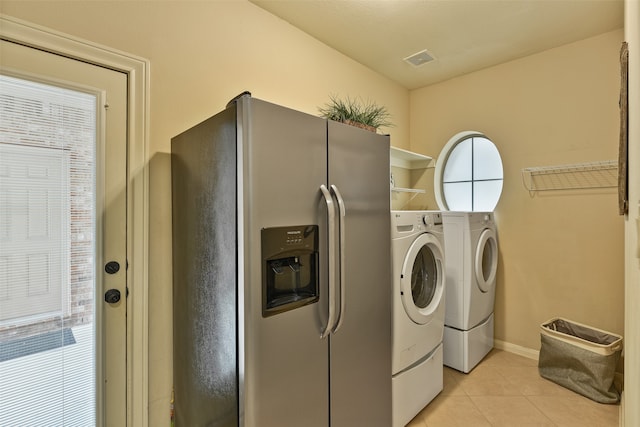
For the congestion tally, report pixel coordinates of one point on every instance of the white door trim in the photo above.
(630, 408)
(137, 70)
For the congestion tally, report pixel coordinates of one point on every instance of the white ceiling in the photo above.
(463, 35)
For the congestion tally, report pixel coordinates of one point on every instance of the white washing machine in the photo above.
(418, 269)
(471, 252)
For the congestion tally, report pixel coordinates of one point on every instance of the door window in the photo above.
(424, 278)
(486, 263)
(47, 222)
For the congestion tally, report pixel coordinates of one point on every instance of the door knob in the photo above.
(112, 267)
(112, 296)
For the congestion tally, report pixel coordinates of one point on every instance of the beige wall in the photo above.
(561, 252)
(202, 54)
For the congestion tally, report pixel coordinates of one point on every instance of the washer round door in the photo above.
(486, 261)
(422, 280)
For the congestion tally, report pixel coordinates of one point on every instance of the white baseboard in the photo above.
(516, 349)
(621, 410)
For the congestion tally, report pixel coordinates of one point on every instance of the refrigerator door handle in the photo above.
(331, 214)
(341, 248)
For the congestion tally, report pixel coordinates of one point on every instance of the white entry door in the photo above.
(63, 261)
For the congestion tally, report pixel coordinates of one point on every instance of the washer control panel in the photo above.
(404, 223)
(432, 218)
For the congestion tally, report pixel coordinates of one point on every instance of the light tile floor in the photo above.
(505, 390)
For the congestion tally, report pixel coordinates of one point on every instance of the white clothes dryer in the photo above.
(471, 253)
(418, 271)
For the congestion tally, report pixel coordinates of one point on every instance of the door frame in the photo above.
(630, 411)
(137, 71)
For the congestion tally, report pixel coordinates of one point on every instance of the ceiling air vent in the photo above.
(420, 58)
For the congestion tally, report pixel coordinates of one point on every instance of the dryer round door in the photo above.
(486, 260)
(422, 280)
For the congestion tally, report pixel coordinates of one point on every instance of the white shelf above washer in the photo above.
(409, 160)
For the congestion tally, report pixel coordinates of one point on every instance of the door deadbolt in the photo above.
(112, 296)
(112, 267)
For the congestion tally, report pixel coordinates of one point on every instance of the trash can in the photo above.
(580, 358)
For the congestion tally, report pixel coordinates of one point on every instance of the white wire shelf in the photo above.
(603, 174)
(408, 190)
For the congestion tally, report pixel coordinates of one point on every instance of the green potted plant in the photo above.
(367, 115)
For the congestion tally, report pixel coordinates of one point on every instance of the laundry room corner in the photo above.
(561, 252)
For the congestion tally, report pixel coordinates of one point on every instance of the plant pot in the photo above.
(360, 125)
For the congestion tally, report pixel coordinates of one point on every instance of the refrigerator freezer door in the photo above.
(285, 361)
(361, 348)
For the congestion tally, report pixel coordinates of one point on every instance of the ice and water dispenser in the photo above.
(289, 268)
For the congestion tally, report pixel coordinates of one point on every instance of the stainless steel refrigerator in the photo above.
(281, 271)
